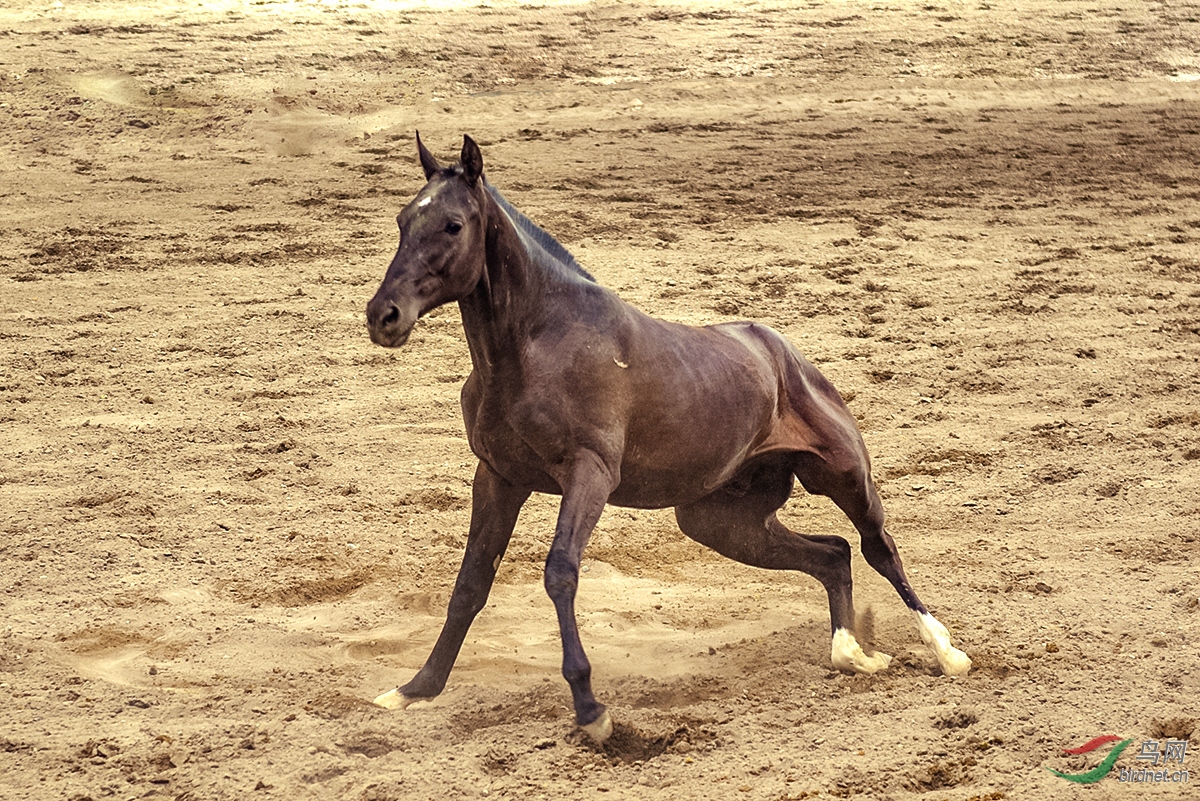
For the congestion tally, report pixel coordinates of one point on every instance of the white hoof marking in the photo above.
(953, 661)
(847, 654)
(393, 699)
(599, 729)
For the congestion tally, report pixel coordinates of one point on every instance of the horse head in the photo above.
(441, 257)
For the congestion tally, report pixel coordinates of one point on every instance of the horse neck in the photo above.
(507, 302)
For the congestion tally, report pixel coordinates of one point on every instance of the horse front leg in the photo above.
(585, 492)
(495, 506)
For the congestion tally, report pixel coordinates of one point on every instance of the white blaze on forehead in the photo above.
(425, 202)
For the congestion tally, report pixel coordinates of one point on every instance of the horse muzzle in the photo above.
(388, 324)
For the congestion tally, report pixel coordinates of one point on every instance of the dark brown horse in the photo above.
(576, 393)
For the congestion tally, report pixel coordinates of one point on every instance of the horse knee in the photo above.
(467, 600)
(880, 550)
(840, 548)
(561, 576)
(832, 569)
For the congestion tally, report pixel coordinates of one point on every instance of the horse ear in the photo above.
(428, 162)
(471, 160)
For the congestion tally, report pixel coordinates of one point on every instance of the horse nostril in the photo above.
(392, 316)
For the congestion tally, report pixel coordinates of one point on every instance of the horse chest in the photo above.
(504, 438)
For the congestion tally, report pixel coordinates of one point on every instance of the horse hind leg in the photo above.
(855, 494)
(738, 521)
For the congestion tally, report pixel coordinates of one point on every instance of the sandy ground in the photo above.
(230, 521)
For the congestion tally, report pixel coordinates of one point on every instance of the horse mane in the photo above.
(544, 241)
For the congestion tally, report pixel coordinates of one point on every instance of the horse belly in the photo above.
(702, 405)
(682, 456)
(651, 489)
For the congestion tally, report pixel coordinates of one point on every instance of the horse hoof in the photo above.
(953, 661)
(599, 729)
(393, 699)
(846, 654)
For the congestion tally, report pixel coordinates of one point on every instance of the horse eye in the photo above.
(453, 228)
